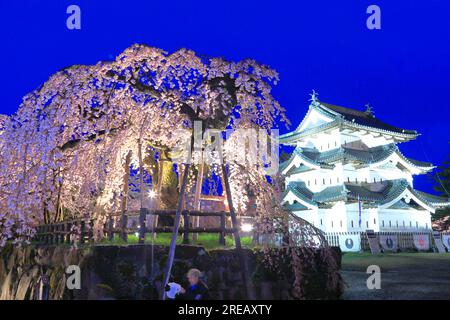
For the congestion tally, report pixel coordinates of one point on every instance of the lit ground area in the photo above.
(207, 240)
(421, 276)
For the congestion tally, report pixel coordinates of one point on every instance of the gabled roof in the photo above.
(299, 154)
(386, 194)
(363, 118)
(341, 116)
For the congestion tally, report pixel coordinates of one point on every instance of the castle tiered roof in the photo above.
(342, 117)
(386, 193)
(343, 154)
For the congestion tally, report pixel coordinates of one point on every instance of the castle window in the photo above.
(403, 223)
(417, 224)
(315, 181)
(340, 223)
(382, 223)
(324, 181)
(309, 183)
(374, 179)
(352, 223)
(335, 143)
(374, 221)
(366, 180)
(348, 179)
(332, 224)
(410, 224)
(396, 223)
(337, 180)
(356, 180)
(321, 222)
(367, 224)
(426, 225)
(331, 182)
(390, 224)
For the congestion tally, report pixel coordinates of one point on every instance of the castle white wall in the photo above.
(345, 218)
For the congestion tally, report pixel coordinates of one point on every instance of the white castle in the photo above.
(347, 174)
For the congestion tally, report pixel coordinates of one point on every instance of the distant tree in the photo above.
(443, 187)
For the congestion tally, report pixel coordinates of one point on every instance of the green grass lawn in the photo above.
(207, 240)
(356, 261)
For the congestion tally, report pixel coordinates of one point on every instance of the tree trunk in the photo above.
(126, 177)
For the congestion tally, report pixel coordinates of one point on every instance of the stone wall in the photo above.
(135, 272)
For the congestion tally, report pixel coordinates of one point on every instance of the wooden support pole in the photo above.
(186, 227)
(223, 227)
(234, 222)
(197, 195)
(126, 176)
(142, 215)
(173, 241)
(237, 238)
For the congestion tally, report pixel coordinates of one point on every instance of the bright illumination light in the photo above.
(152, 194)
(137, 234)
(246, 227)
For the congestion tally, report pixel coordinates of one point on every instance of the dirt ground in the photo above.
(404, 276)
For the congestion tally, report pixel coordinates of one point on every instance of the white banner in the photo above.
(422, 241)
(446, 241)
(350, 243)
(389, 242)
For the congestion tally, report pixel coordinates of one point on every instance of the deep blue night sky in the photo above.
(402, 70)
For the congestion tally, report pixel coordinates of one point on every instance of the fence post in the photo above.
(186, 227)
(82, 231)
(47, 234)
(142, 214)
(123, 229)
(68, 227)
(56, 233)
(222, 226)
(110, 228)
(62, 230)
(52, 233)
(91, 231)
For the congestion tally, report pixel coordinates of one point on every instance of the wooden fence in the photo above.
(405, 239)
(65, 231)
